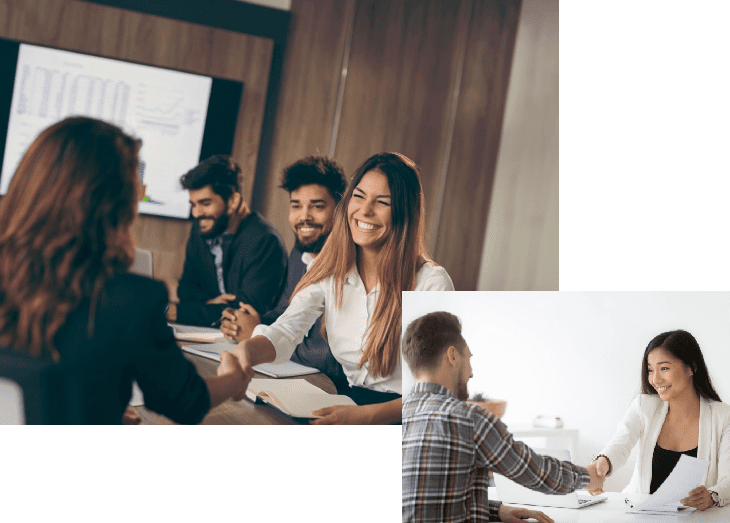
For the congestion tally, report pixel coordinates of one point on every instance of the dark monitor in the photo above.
(182, 118)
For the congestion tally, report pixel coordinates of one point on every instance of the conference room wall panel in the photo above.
(521, 244)
(318, 37)
(476, 139)
(402, 73)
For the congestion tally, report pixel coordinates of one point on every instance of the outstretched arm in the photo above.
(518, 462)
(254, 351)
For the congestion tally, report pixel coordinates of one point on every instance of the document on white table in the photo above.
(686, 476)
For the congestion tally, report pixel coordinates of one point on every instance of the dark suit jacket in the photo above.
(131, 340)
(254, 269)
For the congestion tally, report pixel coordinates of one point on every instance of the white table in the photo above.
(614, 510)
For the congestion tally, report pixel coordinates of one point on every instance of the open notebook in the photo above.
(275, 370)
(196, 334)
(296, 397)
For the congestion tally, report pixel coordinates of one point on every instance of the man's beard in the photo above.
(461, 390)
(313, 247)
(220, 225)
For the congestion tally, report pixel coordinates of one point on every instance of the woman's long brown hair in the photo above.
(402, 255)
(65, 229)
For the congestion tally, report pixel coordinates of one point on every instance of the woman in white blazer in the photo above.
(678, 413)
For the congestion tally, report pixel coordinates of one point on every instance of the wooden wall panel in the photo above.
(521, 244)
(403, 69)
(117, 33)
(307, 104)
(477, 129)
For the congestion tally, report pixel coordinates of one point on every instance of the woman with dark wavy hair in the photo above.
(65, 293)
(375, 251)
(679, 412)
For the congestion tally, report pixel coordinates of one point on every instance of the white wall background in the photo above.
(575, 355)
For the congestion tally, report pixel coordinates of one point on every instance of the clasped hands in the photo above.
(238, 324)
(700, 498)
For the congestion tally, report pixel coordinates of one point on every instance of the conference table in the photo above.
(237, 412)
(614, 510)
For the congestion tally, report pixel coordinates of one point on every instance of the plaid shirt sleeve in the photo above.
(516, 461)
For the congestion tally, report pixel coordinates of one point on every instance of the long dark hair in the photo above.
(65, 228)
(683, 346)
(401, 257)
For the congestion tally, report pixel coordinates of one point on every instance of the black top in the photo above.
(313, 351)
(131, 341)
(254, 269)
(663, 463)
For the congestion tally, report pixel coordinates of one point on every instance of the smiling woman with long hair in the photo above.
(376, 250)
(678, 412)
(65, 293)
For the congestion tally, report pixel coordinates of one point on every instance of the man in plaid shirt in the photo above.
(449, 446)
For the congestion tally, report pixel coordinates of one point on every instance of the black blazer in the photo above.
(131, 341)
(254, 269)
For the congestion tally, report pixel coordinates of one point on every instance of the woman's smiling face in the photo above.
(670, 377)
(369, 211)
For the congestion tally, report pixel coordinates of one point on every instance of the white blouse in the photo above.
(346, 326)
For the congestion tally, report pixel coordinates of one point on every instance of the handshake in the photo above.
(598, 471)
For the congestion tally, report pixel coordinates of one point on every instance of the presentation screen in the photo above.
(181, 117)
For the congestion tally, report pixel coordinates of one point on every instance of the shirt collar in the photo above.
(218, 239)
(425, 387)
(307, 259)
(352, 277)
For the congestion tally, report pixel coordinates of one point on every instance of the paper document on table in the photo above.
(197, 334)
(287, 369)
(294, 397)
(210, 350)
(686, 476)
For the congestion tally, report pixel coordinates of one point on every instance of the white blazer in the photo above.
(643, 422)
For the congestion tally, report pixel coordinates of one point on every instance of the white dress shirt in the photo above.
(346, 326)
(643, 423)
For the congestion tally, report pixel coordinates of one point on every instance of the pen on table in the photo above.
(628, 503)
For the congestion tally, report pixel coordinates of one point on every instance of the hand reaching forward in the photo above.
(130, 417)
(598, 472)
(230, 365)
(221, 300)
(517, 514)
(342, 415)
(700, 498)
